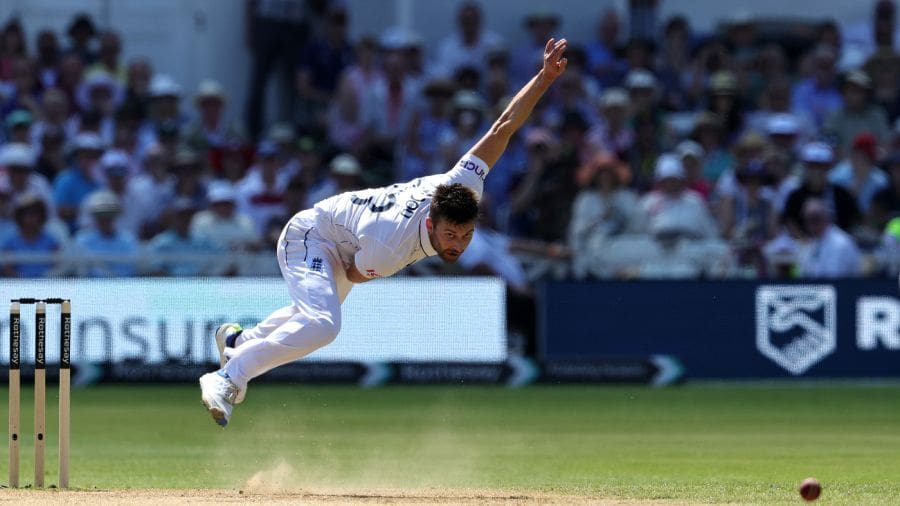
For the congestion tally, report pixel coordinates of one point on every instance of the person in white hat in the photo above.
(75, 183)
(858, 114)
(211, 128)
(672, 210)
(102, 238)
(17, 174)
(359, 236)
(222, 225)
(818, 159)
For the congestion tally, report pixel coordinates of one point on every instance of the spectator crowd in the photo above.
(762, 149)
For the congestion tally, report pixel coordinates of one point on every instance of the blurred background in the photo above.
(706, 180)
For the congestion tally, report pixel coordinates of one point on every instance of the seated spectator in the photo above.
(776, 101)
(348, 116)
(857, 115)
(30, 236)
(603, 208)
(222, 225)
(102, 238)
(78, 181)
(691, 155)
(858, 173)
(818, 159)
(747, 215)
(321, 62)
(427, 125)
(783, 130)
(18, 174)
(100, 95)
(467, 46)
(114, 169)
(345, 175)
(541, 25)
(210, 129)
(190, 173)
(831, 252)
(52, 158)
(709, 132)
(818, 95)
(177, 239)
(261, 191)
(18, 126)
(467, 118)
(295, 200)
(151, 190)
(603, 60)
(671, 210)
(613, 133)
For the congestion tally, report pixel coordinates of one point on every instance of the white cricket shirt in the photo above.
(382, 230)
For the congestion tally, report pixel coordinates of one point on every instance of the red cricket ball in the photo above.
(810, 489)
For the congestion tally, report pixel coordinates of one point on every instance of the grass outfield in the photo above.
(691, 444)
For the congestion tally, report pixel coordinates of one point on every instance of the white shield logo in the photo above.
(795, 325)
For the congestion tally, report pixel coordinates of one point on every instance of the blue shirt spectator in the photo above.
(75, 183)
(103, 238)
(178, 240)
(29, 236)
(818, 95)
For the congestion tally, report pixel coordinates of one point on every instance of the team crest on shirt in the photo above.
(315, 264)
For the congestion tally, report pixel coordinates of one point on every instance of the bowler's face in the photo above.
(449, 239)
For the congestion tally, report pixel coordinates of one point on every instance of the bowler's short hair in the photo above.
(454, 203)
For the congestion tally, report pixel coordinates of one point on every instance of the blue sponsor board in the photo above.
(729, 329)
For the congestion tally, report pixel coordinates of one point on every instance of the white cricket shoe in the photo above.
(225, 333)
(218, 394)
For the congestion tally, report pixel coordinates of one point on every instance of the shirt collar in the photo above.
(424, 240)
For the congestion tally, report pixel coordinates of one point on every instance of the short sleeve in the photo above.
(375, 259)
(470, 171)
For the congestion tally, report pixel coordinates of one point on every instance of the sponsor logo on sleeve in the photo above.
(474, 167)
(372, 274)
(796, 325)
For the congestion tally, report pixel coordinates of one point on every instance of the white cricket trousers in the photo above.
(317, 283)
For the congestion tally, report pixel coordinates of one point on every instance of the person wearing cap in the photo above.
(709, 132)
(691, 155)
(468, 45)
(427, 124)
(321, 62)
(151, 189)
(818, 159)
(603, 208)
(166, 246)
(222, 225)
(724, 101)
(359, 236)
(164, 113)
(17, 161)
(818, 94)
(613, 132)
(18, 126)
(103, 238)
(344, 174)
(210, 130)
(526, 57)
(858, 113)
(670, 209)
(830, 252)
(30, 236)
(467, 117)
(76, 182)
(261, 191)
(747, 216)
(775, 100)
(190, 174)
(858, 173)
(642, 91)
(115, 173)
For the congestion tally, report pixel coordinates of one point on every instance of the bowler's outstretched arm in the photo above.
(494, 142)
